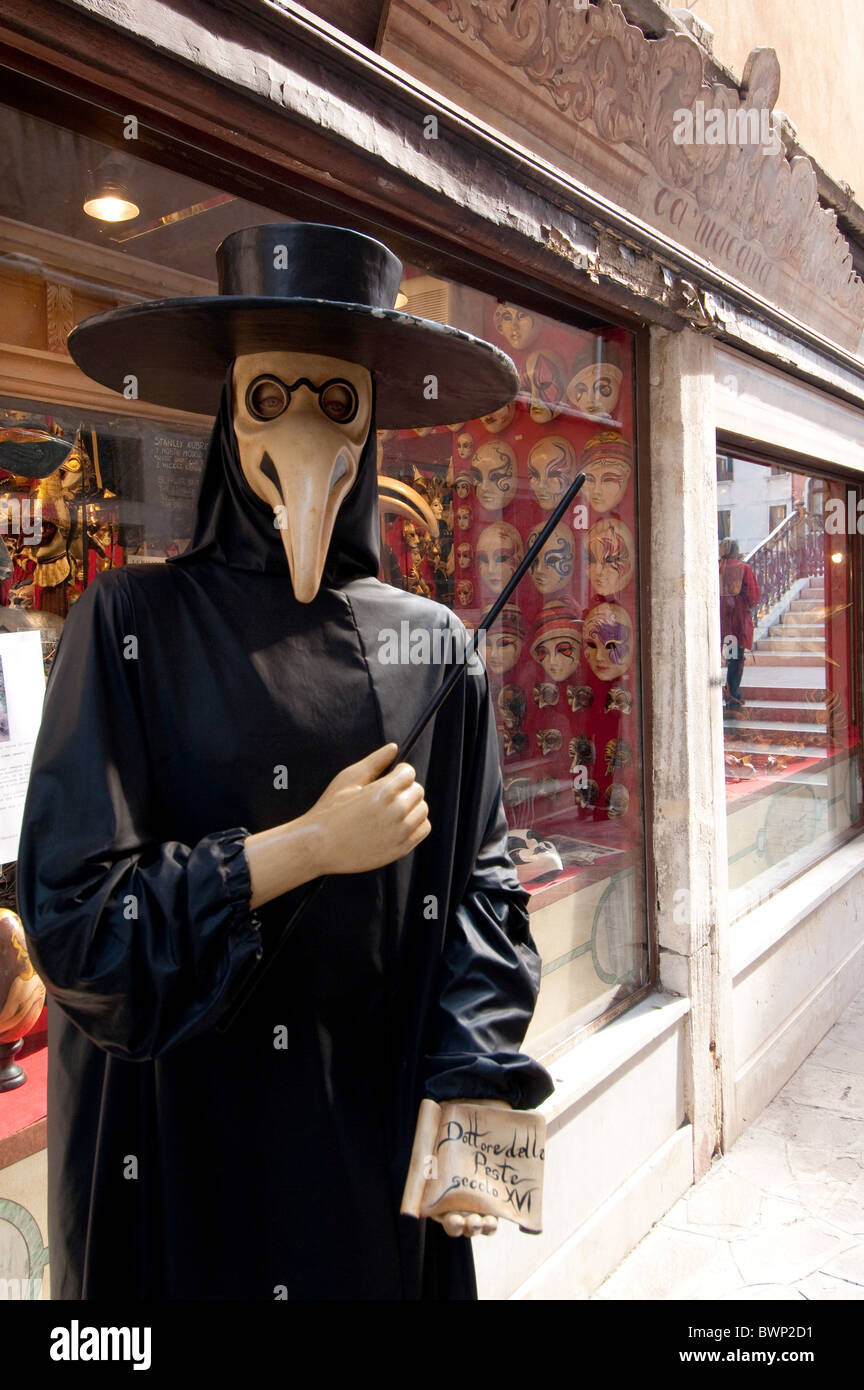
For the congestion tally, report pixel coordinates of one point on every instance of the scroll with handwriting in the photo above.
(477, 1158)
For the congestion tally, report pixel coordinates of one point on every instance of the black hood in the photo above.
(235, 528)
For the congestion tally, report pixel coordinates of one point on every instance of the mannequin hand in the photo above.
(356, 824)
(472, 1223)
(364, 820)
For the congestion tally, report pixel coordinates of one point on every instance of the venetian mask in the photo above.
(545, 694)
(494, 472)
(544, 372)
(463, 518)
(618, 698)
(594, 390)
(548, 741)
(518, 326)
(558, 656)
(586, 796)
(580, 697)
(551, 470)
(301, 422)
(610, 556)
(582, 752)
(552, 570)
(499, 552)
(465, 446)
(618, 754)
(557, 640)
(515, 742)
(504, 642)
(464, 556)
(607, 464)
(617, 800)
(512, 704)
(464, 593)
(607, 640)
(500, 419)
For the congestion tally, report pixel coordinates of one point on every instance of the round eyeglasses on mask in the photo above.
(267, 398)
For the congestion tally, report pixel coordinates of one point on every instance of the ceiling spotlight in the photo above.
(108, 199)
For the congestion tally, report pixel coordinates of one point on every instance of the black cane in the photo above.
(447, 686)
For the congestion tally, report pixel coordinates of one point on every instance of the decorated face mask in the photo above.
(463, 518)
(580, 697)
(594, 390)
(617, 800)
(553, 568)
(557, 640)
(464, 556)
(586, 796)
(463, 485)
(610, 556)
(618, 698)
(464, 593)
(583, 752)
(548, 741)
(607, 640)
(301, 423)
(504, 642)
(494, 472)
(520, 328)
(544, 372)
(545, 693)
(551, 470)
(465, 446)
(512, 705)
(499, 420)
(607, 462)
(499, 551)
(559, 657)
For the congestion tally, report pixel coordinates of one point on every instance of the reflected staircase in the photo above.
(785, 714)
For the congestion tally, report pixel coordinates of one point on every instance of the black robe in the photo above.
(189, 705)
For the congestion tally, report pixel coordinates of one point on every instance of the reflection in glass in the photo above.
(791, 734)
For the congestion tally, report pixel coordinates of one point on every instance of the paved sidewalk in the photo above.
(781, 1216)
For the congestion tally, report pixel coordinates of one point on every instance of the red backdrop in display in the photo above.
(563, 663)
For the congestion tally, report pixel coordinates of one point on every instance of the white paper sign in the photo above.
(22, 691)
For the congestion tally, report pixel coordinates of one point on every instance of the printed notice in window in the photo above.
(22, 689)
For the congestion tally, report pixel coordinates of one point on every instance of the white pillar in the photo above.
(683, 669)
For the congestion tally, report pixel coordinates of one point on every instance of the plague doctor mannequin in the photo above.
(230, 729)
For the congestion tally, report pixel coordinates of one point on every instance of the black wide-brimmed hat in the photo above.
(298, 287)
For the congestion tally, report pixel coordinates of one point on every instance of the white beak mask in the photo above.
(301, 423)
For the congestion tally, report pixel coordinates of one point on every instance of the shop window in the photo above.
(792, 745)
(564, 660)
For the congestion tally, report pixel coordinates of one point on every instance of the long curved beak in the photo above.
(309, 498)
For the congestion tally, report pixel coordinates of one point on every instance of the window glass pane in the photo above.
(564, 660)
(792, 668)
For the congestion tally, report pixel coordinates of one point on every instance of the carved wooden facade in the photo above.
(590, 93)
